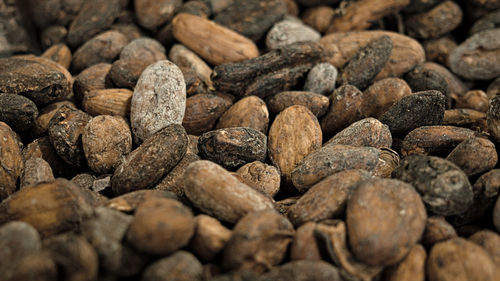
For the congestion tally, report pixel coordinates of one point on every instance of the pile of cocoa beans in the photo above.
(242, 140)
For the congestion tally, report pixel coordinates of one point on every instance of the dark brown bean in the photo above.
(65, 133)
(103, 13)
(410, 112)
(362, 68)
(233, 147)
(154, 158)
(444, 187)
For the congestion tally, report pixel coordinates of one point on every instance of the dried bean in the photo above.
(345, 109)
(435, 140)
(103, 48)
(248, 112)
(49, 207)
(331, 159)
(444, 188)
(152, 160)
(92, 78)
(211, 41)
(74, 256)
(17, 111)
(457, 258)
(134, 58)
(384, 242)
(255, 234)
(261, 15)
(366, 132)
(65, 132)
(287, 32)
(406, 52)
(321, 79)
(474, 156)
(153, 14)
(413, 111)
(362, 68)
(103, 13)
(477, 57)
(152, 232)
(203, 110)
(435, 22)
(108, 102)
(326, 199)
(437, 229)
(106, 140)
(59, 53)
(262, 177)
(360, 15)
(276, 71)
(159, 99)
(382, 94)
(179, 266)
(216, 192)
(36, 170)
(40, 82)
(210, 237)
(294, 134)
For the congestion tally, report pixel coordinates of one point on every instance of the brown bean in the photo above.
(161, 226)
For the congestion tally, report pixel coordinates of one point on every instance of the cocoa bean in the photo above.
(331, 159)
(248, 112)
(106, 140)
(103, 13)
(287, 32)
(261, 177)
(202, 111)
(362, 68)
(387, 241)
(49, 207)
(65, 133)
(41, 83)
(444, 188)
(180, 266)
(259, 232)
(216, 192)
(153, 14)
(157, 101)
(134, 58)
(152, 232)
(294, 134)
(103, 48)
(261, 15)
(326, 199)
(233, 147)
(435, 22)
(210, 237)
(413, 111)
(437, 229)
(443, 261)
(153, 159)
